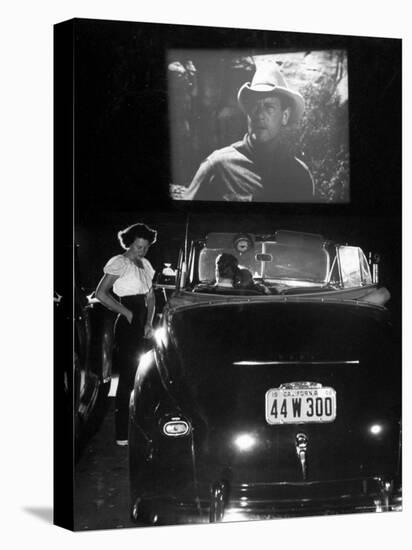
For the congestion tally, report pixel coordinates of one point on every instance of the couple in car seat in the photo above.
(230, 278)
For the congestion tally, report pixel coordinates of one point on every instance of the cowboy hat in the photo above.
(269, 80)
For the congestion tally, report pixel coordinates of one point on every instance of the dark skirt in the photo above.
(129, 339)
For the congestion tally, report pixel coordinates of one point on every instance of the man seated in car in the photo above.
(226, 268)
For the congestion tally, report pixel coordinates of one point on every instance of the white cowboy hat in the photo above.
(269, 79)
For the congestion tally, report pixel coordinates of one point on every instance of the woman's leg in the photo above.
(125, 385)
(129, 339)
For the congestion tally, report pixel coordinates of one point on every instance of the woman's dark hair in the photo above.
(137, 231)
(243, 279)
(227, 265)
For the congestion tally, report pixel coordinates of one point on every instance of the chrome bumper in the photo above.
(225, 503)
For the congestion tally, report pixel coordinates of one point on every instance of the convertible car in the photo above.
(268, 403)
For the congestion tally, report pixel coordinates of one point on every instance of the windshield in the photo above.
(354, 267)
(272, 261)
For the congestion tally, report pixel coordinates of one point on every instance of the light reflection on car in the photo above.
(86, 379)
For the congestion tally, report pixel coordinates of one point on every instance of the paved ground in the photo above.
(101, 481)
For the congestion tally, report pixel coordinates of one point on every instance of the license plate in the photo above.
(300, 406)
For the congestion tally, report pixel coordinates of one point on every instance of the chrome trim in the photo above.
(386, 487)
(300, 385)
(218, 501)
(301, 441)
(323, 363)
(174, 422)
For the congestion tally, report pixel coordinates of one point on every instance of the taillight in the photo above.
(176, 427)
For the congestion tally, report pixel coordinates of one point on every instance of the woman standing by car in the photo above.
(126, 288)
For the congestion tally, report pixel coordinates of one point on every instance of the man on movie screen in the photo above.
(259, 167)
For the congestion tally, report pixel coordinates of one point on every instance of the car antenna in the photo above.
(187, 237)
(182, 278)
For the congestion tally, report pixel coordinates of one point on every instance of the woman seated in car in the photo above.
(244, 280)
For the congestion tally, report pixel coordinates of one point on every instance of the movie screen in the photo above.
(266, 127)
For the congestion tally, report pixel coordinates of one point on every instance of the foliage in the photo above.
(322, 139)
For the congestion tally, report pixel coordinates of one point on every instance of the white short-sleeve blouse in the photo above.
(131, 279)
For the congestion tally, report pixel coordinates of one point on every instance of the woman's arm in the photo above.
(103, 294)
(378, 296)
(151, 305)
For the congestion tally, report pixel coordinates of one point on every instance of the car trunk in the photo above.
(230, 355)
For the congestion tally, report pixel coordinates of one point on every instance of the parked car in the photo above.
(276, 404)
(85, 382)
(94, 337)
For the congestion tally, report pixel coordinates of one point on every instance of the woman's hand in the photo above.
(148, 330)
(129, 316)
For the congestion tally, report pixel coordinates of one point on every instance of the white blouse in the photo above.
(131, 279)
